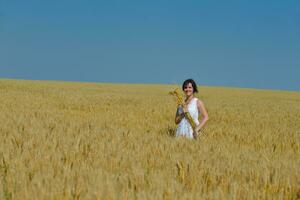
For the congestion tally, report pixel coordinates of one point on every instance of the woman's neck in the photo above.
(188, 98)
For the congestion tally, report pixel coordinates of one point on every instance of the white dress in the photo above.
(184, 128)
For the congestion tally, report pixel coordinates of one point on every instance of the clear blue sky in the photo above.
(253, 43)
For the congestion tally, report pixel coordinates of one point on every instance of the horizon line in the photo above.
(147, 83)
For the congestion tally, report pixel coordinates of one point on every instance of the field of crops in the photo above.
(67, 140)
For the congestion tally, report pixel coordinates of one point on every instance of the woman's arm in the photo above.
(179, 115)
(203, 113)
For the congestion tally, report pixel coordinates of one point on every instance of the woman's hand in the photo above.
(197, 129)
(179, 114)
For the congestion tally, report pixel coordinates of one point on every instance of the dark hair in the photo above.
(186, 82)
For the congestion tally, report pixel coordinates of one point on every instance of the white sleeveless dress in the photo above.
(184, 128)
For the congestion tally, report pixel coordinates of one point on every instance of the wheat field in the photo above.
(70, 140)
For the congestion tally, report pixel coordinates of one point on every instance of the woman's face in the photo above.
(188, 89)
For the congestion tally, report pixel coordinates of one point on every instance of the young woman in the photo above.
(192, 105)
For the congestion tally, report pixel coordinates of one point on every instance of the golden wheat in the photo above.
(63, 140)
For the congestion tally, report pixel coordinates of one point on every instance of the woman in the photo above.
(192, 105)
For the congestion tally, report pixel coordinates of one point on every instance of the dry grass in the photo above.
(63, 140)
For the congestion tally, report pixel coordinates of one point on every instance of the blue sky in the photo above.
(238, 43)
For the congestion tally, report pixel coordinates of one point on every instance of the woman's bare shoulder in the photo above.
(198, 100)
